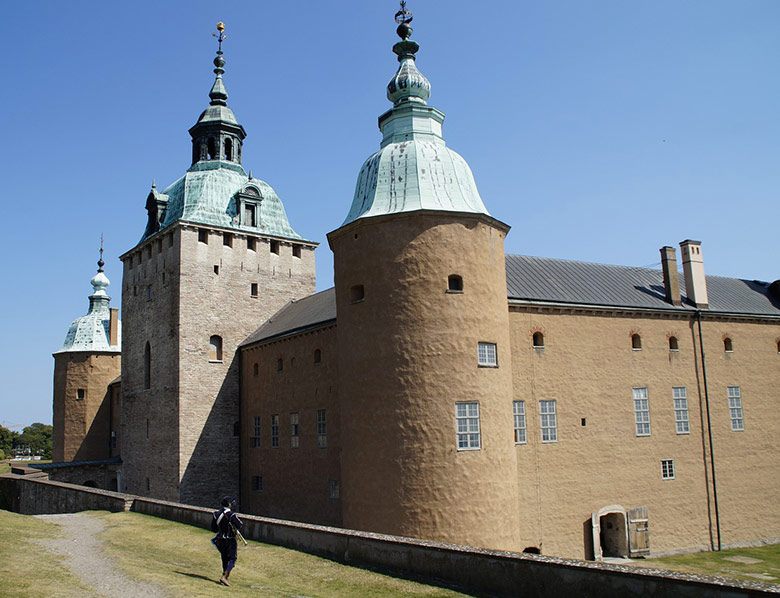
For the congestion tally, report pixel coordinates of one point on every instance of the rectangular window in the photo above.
(275, 247)
(257, 483)
(274, 431)
(667, 469)
(549, 421)
(203, 236)
(681, 410)
(253, 289)
(294, 430)
(518, 407)
(641, 411)
(735, 409)
(113, 439)
(80, 394)
(251, 244)
(227, 239)
(322, 429)
(334, 491)
(296, 251)
(249, 215)
(467, 424)
(487, 354)
(255, 439)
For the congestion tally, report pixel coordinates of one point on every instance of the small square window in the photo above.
(81, 394)
(296, 251)
(227, 239)
(275, 247)
(487, 354)
(251, 244)
(357, 293)
(667, 469)
(203, 236)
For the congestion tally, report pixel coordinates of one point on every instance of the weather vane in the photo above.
(221, 36)
(100, 261)
(403, 15)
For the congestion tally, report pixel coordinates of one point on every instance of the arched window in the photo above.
(317, 356)
(279, 364)
(728, 347)
(636, 342)
(147, 366)
(212, 149)
(673, 344)
(215, 348)
(229, 149)
(455, 283)
(255, 370)
(538, 340)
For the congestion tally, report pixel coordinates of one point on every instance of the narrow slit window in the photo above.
(253, 288)
(147, 366)
(279, 364)
(255, 370)
(295, 430)
(80, 394)
(274, 431)
(518, 408)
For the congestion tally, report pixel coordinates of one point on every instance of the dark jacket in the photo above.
(221, 523)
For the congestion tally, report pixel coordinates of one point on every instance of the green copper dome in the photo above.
(414, 169)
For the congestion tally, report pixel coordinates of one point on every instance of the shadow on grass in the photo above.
(196, 576)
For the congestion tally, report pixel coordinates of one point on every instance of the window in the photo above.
(149, 251)
(227, 239)
(538, 340)
(212, 149)
(455, 283)
(518, 407)
(333, 489)
(356, 293)
(228, 149)
(467, 425)
(159, 245)
(249, 216)
(296, 251)
(253, 288)
(275, 247)
(673, 344)
(735, 409)
(257, 483)
(636, 342)
(147, 366)
(641, 411)
(80, 394)
(279, 364)
(274, 431)
(667, 469)
(486, 353)
(147, 428)
(322, 429)
(728, 347)
(148, 292)
(113, 439)
(203, 236)
(251, 244)
(216, 269)
(254, 441)
(255, 370)
(549, 421)
(317, 356)
(294, 430)
(778, 346)
(215, 348)
(681, 410)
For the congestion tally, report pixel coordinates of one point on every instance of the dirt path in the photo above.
(84, 555)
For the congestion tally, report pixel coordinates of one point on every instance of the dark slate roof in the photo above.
(297, 316)
(548, 280)
(564, 281)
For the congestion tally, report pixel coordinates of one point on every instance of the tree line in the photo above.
(34, 440)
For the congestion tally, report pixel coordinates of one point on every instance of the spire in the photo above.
(408, 84)
(99, 299)
(218, 93)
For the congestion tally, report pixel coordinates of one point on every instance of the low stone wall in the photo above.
(469, 569)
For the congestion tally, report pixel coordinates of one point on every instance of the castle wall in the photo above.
(300, 476)
(588, 366)
(82, 424)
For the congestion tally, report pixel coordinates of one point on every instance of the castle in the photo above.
(442, 389)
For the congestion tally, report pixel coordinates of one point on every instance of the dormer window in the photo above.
(248, 207)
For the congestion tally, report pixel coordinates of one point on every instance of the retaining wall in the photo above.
(483, 572)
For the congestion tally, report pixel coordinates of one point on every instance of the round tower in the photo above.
(423, 334)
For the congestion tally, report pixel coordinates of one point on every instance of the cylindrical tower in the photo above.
(423, 334)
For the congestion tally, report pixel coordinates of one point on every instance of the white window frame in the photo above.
(468, 436)
(667, 469)
(487, 355)
(641, 411)
(548, 417)
(681, 421)
(735, 409)
(521, 432)
(322, 428)
(275, 431)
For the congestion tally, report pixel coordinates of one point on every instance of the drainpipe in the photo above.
(709, 427)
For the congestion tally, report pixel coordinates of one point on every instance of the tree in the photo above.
(38, 437)
(7, 439)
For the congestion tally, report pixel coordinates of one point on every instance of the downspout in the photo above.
(240, 423)
(709, 428)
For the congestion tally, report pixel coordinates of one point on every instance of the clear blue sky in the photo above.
(600, 131)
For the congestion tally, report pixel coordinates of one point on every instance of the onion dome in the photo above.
(414, 169)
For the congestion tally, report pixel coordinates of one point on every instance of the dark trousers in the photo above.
(228, 550)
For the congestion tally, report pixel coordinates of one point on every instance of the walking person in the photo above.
(225, 523)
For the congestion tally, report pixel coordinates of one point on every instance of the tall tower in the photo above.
(217, 258)
(423, 334)
(88, 361)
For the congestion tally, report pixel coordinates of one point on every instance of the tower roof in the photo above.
(414, 169)
(91, 332)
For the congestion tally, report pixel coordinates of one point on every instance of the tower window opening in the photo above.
(159, 245)
(147, 366)
(251, 244)
(673, 344)
(215, 348)
(80, 394)
(255, 370)
(296, 251)
(538, 340)
(253, 287)
(203, 236)
(636, 342)
(455, 283)
(275, 247)
(279, 364)
(356, 293)
(227, 239)
(728, 347)
(212, 149)
(229, 150)
(317, 356)
(216, 269)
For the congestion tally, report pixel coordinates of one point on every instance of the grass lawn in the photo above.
(752, 564)
(26, 569)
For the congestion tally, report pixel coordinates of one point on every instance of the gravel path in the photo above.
(84, 555)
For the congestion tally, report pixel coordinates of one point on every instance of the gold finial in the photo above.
(221, 36)
(220, 26)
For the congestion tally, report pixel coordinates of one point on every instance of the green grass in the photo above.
(720, 565)
(5, 465)
(26, 569)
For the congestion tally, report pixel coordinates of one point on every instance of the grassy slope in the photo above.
(182, 559)
(25, 569)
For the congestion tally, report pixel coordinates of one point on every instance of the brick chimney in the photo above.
(113, 327)
(693, 269)
(671, 281)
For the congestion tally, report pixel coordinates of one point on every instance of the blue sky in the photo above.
(600, 131)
